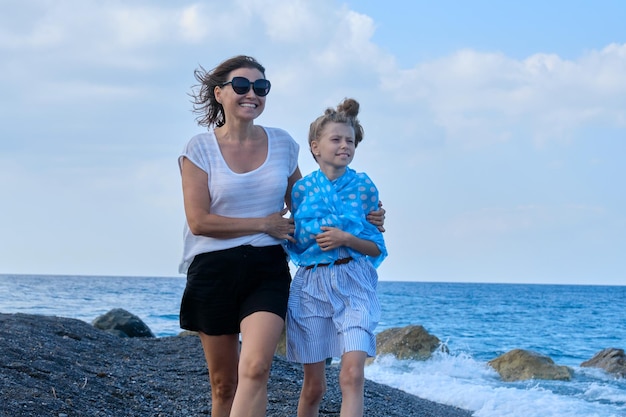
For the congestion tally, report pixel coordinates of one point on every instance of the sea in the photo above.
(476, 321)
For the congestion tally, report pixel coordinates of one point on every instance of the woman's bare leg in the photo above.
(222, 357)
(260, 332)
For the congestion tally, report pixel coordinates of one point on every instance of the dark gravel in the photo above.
(60, 367)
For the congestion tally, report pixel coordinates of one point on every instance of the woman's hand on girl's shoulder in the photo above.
(377, 218)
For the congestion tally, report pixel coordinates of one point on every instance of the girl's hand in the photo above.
(331, 238)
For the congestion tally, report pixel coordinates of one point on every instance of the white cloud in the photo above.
(481, 98)
(193, 27)
(291, 22)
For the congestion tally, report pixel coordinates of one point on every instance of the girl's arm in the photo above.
(332, 238)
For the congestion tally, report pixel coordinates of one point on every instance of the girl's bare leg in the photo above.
(313, 389)
(352, 382)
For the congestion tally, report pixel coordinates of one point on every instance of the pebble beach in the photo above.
(62, 367)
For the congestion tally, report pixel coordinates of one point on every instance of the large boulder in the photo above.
(122, 323)
(612, 360)
(410, 342)
(519, 364)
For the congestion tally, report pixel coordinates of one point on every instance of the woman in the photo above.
(237, 181)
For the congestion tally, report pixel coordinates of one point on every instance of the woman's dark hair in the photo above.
(346, 112)
(209, 111)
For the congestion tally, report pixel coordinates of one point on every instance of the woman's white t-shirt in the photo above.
(257, 193)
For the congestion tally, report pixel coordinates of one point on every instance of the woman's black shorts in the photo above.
(223, 287)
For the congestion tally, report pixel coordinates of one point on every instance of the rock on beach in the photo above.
(612, 360)
(62, 367)
(520, 364)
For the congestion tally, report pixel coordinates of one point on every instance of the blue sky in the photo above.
(495, 133)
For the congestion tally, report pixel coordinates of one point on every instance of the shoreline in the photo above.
(65, 367)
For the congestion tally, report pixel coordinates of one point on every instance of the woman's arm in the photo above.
(290, 182)
(377, 218)
(201, 221)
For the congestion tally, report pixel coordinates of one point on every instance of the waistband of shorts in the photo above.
(269, 250)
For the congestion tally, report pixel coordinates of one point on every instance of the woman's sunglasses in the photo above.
(241, 85)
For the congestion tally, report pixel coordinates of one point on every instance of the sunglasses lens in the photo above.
(241, 85)
(261, 87)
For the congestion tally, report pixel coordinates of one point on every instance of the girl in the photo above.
(333, 308)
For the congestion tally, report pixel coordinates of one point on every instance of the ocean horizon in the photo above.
(476, 321)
